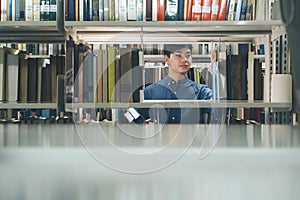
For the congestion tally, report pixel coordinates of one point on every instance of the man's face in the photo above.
(180, 61)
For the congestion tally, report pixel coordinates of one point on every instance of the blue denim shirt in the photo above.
(168, 89)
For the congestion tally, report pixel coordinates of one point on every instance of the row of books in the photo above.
(36, 49)
(28, 10)
(164, 10)
(34, 116)
(32, 80)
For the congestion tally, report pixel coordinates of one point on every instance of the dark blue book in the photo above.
(180, 10)
(71, 10)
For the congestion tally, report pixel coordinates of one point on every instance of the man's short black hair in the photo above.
(170, 48)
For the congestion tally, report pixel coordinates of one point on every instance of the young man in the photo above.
(175, 86)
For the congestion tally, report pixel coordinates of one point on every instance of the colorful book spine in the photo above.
(161, 10)
(111, 59)
(189, 5)
(171, 12)
(206, 10)
(214, 10)
(196, 10)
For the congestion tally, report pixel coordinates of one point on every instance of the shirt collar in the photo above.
(168, 80)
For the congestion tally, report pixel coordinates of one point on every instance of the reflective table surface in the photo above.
(113, 161)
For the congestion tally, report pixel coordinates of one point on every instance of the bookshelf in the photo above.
(112, 32)
(35, 31)
(233, 31)
(115, 32)
(28, 37)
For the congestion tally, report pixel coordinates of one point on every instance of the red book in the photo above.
(206, 10)
(214, 9)
(222, 10)
(161, 10)
(189, 10)
(196, 10)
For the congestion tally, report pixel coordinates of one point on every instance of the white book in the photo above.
(238, 10)
(132, 11)
(106, 10)
(154, 10)
(81, 8)
(37, 9)
(117, 10)
(12, 67)
(122, 11)
(3, 10)
(2, 75)
(101, 10)
(260, 10)
(28, 10)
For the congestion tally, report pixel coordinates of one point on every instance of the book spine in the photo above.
(140, 10)
(206, 10)
(238, 10)
(45, 10)
(123, 11)
(71, 10)
(227, 9)
(232, 10)
(95, 13)
(12, 67)
(81, 10)
(214, 9)
(17, 11)
(132, 10)
(171, 13)
(111, 10)
(180, 10)
(89, 16)
(196, 10)
(148, 10)
(101, 10)
(106, 10)
(117, 17)
(3, 11)
(28, 10)
(52, 10)
(2, 75)
(243, 10)
(154, 10)
(189, 10)
(111, 59)
(161, 10)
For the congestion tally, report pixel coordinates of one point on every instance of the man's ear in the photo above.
(167, 59)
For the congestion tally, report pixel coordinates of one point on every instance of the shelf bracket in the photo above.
(277, 32)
